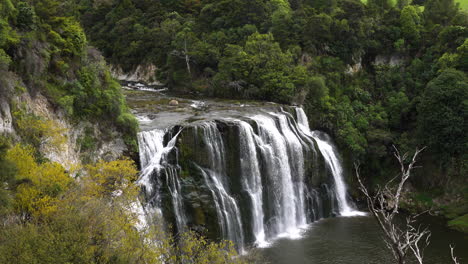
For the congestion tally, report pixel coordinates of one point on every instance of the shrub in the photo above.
(35, 130)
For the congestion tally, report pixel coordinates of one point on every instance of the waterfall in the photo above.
(282, 153)
(255, 177)
(154, 163)
(251, 180)
(330, 155)
(215, 177)
(173, 183)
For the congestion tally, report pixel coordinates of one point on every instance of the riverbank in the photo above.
(451, 207)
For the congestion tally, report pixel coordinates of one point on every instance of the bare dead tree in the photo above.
(455, 260)
(384, 205)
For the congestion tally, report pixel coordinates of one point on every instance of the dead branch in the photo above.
(384, 205)
(455, 260)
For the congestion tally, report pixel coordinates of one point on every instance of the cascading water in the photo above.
(252, 180)
(282, 154)
(153, 158)
(329, 153)
(215, 177)
(255, 177)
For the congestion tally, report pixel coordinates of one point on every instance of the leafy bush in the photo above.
(35, 130)
(91, 221)
(5, 60)
(26, 18)
(40, 185)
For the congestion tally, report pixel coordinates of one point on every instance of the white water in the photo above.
(173, 184)
(329, 153)
(215, 177)
(154, 163)
(252, 180)
(276, 149)
(153, 154)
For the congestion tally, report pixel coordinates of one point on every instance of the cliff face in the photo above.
(142, 73)
(71, 149)
(56, 92)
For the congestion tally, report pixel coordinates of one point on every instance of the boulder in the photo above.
(173, 103)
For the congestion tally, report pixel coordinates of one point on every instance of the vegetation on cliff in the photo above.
(82, 213)
(44, 50)
(47, 217)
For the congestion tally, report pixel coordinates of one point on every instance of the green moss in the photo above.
(424, 198)
(184, 173)
(460, 223)
(186, 156)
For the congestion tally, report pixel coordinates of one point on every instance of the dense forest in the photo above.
(372, 74)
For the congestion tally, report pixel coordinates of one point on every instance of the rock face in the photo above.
(142, 73)
(353, 69)
(248, 178)
(6, 120)
(391, 60)
(68, 153)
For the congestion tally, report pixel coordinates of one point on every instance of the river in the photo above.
(358, 239)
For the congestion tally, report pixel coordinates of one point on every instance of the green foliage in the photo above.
(36, 130)
(26, 16)
(443, 114)
(40, 184)
(410, 20)
(261, 69)
(440, 11)
(7, 9)
(197, 250)
(7, 176)
(71, 40)
(5, 60)
(8, 36)
(90, 221)
(360, 69)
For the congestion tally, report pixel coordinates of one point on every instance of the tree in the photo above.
(93, 220)
(39, 184)
(443, 115)
(384, 206)
(7, 177)
(410, 24)
(440, 11)
(261, 70)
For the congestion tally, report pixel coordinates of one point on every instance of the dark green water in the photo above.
(359, 240)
